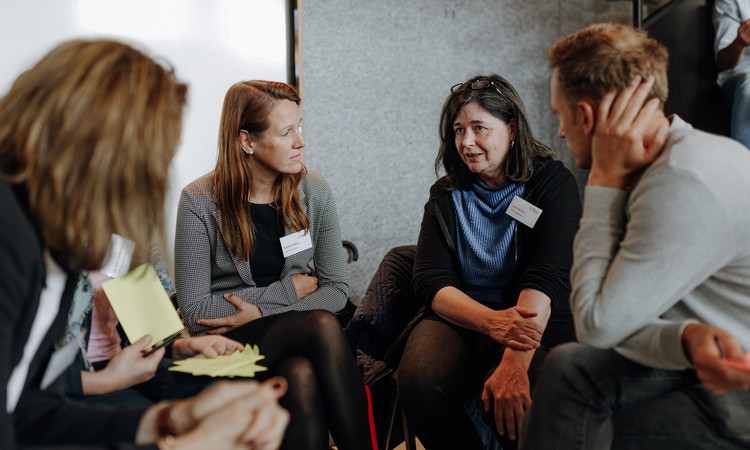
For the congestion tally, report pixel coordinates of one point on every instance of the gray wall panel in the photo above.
(375, 75)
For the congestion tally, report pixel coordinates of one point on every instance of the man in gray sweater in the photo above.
(661, 272)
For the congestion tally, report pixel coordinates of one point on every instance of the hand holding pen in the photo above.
(709, 349)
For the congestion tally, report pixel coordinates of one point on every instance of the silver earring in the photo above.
(251, 152)
(512, 143)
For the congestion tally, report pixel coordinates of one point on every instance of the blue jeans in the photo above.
(736, 92)
(588, 398)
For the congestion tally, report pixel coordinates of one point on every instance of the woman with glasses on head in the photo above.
(247, 234)
(492, 263)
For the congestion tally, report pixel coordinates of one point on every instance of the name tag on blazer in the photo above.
(295, 243)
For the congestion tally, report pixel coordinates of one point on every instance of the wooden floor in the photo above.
(403, 446)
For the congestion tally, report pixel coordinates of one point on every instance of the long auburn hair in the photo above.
(90, 131)
(247, 106)
(519, 163)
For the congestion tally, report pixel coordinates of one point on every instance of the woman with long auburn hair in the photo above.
(247, 236)
(86, 137)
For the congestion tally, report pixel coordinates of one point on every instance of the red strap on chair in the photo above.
(372, 419)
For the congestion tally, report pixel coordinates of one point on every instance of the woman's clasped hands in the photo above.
(245, 312)
(514, 328)
(227, 415)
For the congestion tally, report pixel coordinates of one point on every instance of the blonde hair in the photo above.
(247, 106)
(90, 130)
(603, 57)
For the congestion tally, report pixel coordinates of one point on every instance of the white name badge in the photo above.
(119, 254)
(295, 243)
(523, 211)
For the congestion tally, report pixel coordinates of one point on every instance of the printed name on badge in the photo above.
(523, 211)
(119, 254)
(295, 243)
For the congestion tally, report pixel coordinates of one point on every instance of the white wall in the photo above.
(211, 44)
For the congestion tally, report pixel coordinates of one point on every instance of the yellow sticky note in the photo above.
(142, 305)
(238, 364)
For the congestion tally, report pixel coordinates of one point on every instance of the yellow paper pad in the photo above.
(142, 305)
(238, 364)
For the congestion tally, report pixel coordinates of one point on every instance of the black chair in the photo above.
(377, 334)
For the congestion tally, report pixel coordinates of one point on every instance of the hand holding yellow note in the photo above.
(143, 306)
(238, 364)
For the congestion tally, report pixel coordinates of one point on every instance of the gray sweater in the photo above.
(205, 268)
(675, 249)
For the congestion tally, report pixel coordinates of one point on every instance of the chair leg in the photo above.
(385, 441)
(408, 434)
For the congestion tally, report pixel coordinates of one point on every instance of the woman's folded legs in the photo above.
(310, 350)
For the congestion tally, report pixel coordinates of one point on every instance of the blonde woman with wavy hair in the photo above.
(79, 146)
(247, 234)
(86, 137)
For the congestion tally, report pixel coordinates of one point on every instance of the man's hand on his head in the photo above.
(624, 142)
(743, 33)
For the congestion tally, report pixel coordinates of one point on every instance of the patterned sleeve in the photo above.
(193, 270)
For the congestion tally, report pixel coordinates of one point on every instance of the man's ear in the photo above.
(585, 116)
(246, 142)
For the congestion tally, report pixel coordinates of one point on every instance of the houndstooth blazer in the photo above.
(205, 268)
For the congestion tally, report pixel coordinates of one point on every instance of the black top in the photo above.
(545, 253)
(267, 259)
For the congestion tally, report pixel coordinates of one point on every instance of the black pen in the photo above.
(160, 344)
(718, 345)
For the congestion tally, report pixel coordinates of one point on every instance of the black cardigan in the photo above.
(43, 418)
(544, 253)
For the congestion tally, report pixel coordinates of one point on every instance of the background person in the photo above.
(232, 276)
(732, 27)
(498, 287)
(86, 137)
(107, 372)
